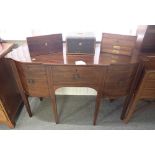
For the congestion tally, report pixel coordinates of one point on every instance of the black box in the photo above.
(80, 44)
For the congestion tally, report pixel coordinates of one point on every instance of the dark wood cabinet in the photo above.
(10, 99)
(146, 38)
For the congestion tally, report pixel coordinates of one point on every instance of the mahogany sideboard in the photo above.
(10, 99)
(41, 75)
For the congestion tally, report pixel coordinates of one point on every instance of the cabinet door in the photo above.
(34, 79)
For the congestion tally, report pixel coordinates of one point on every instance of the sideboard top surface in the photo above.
(22, 54)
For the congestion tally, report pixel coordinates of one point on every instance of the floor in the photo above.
(76, 112)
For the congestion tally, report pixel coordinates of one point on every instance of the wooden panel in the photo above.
(151, 75)
(34, 79)
(3, 118)
(118, 36)
(76, 75)
(118, 44)
(148, 93)
(40, 45)
(119, 79)
(9, 94)
(149, 84)
(37, 87)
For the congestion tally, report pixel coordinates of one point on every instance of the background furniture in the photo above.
(10, 99)
(145, 89)
(146, 39)
(118, 44)
(82, 43)
(46, 44)
(146, 47)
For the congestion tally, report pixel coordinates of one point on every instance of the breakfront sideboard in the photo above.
(40, 75)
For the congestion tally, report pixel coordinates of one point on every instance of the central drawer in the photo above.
(76, 75)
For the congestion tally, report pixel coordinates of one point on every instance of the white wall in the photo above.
(22, 18)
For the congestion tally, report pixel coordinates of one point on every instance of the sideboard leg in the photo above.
(54, 108)
(97, 107)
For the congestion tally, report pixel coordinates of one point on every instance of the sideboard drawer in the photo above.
(34, 79)
(148, 93)
(76, 75)
(34, 71)
(149, 84)
(37, 87)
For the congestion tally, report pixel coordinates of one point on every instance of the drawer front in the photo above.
(118, 42)
(76, 75)
(119, 79)
(148, 93)
(151, 75)
(116, 51)
(34, 71)
(149, 84)
(3, 118)
(37, 87)
(34, 79)
(118, 36)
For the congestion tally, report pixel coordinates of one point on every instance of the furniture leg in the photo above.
(54, 108)
(97, 107)
(130, 110)
(125, 106)
(41, 98)
(27, 105)
(11, 124)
